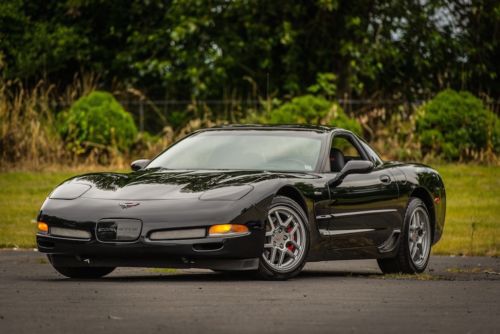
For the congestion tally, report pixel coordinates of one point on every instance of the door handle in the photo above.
(385, 179)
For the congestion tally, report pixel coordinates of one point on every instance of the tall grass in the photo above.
(28, 129)
(27, 126)
(29, 139)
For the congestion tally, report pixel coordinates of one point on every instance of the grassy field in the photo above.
(472, 221)
(473, 210)
(21, 196)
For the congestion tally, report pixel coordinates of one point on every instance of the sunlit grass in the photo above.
(472, 220)
(164, 271)
(473, 210)
(21, 196)
(411, 277)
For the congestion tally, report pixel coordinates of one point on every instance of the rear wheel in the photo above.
(415, 244)
(81, 272)
(286, 242)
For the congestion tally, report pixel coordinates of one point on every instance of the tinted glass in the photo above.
(371, 153)
(344, 145)
(249, 149)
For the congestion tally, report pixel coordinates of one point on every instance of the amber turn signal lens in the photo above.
(227, 229)
(43, 227)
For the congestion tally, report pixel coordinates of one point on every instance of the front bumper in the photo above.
(204, 252)
(230, 253)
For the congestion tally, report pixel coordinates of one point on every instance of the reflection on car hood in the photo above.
(169, 184)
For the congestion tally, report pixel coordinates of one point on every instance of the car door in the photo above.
(363, 208)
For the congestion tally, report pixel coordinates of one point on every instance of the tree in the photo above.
(201, 49)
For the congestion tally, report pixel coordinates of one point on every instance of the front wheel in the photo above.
(286, 241)
(415, 244)
(81, 272)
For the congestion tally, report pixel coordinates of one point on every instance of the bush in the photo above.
(97, 120)
(308, 109)
(456, 125)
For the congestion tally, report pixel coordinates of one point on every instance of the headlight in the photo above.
(69, 191)
(230, 193)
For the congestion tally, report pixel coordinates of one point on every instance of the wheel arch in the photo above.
(294, 194)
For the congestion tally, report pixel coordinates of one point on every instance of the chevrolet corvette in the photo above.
(260, 199)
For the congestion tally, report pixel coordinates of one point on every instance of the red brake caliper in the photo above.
(290, 246)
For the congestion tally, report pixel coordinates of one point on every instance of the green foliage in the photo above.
(309, 109)
(326, 84)
(192, 50)
(177, 118)
(204, 49)
(97, 120)
(457, 125)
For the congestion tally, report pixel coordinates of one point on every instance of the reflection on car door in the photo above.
(363, 209)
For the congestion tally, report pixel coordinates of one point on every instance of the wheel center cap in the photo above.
(280, 236)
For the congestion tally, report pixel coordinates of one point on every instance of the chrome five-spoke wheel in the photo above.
(286, 241)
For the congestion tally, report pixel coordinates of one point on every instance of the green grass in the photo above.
(164, 271)
(472, 219)
(473, 210)
(21, 196)
(411, 277)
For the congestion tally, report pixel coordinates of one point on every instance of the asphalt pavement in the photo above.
(455, 295)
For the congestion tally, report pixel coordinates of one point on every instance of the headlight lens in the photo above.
(230, 193)
(69, 191)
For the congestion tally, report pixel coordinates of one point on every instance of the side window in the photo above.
(373, 156)
(342, 151)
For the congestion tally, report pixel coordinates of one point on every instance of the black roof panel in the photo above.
(316, 128)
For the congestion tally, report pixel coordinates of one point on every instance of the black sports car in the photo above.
(265, 199)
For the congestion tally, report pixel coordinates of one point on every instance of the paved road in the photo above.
(458, 295)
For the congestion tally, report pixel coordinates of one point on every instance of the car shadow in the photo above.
(186, 276)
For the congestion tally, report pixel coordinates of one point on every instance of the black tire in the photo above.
(81, 272)
(403, 262)
(265, 271)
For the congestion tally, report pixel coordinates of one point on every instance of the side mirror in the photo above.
(351, 167)
(139, 164)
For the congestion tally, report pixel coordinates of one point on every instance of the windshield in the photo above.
(248, 149)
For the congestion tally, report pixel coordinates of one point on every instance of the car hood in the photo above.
(153, 184)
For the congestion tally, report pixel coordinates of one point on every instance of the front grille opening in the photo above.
(207, 247)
